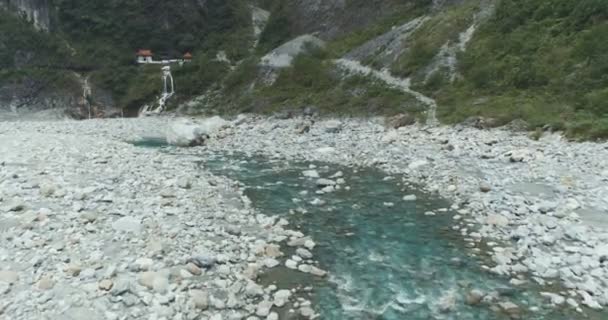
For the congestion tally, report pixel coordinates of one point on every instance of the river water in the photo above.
(386, 258)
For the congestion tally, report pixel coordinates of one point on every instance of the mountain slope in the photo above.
(543, 61)
(98, 39)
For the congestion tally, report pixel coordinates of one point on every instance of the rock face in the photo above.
(28, 100)
(35, 11)
(283, 56)
(333, 18)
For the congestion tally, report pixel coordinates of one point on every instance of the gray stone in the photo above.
(304, 253)
(204, 260)
(121, 286)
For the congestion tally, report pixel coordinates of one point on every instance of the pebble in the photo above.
(105, 285)
(291, 264)
(46, 283)
(410, 197)
(193, 269)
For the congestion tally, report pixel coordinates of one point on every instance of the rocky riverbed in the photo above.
(95, 227)
(539, 207)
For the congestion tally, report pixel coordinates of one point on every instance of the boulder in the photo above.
(400, 120)
(183, 133)
(187, 133)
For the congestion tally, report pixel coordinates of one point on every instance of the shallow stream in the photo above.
(386, 257)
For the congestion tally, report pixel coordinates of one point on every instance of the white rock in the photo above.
(291, 264)
(8, 276)
(333, 126)
(281, 297)
(411, 197)
(184, 133)
(127, 224)
(418, 164)
(310, 174)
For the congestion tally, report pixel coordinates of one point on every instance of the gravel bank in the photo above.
(92, 227)
(540, 206)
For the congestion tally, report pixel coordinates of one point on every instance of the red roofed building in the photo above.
(188, 56)
(144, 56)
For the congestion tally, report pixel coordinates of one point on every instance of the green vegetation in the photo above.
(312, 81)
(100, 38)
(37, 49)
(32, 58)
(542, 61)
(278, 30)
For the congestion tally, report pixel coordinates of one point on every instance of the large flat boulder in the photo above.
(190, 133)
